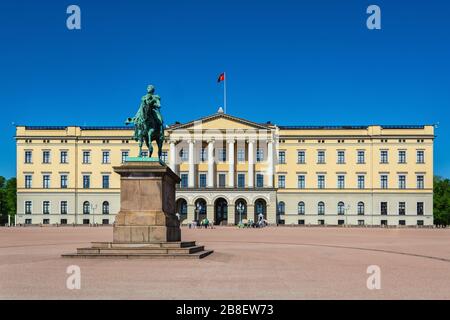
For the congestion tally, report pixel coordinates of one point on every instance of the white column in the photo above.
(191, 178)
(251, 162)
(270, 163)
(172, 155)
(210, 163)
(231, 163)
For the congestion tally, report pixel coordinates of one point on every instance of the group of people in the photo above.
(204, 223)
(261, 223)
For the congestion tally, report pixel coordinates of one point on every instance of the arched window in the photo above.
(105, 207)
(361, 208)
(281, 207)
(301, 207)
(341, 208)
(86, 207)
(321, 208)
(200, 206)
(183, 207)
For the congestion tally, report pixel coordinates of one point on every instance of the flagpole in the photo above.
(225, 93)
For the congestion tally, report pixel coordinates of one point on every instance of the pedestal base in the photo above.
(162, 250)
(143, 234)
(146, 226)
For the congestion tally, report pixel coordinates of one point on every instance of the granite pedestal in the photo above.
(146, 226)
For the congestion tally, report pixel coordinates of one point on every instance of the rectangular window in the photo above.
(420, 208)
(184, 180)
(401, 222)
(105, 157)
(259, 180)
(222, 154)
(301, 184)
(63, 207)
(259, 155)
(301, 157)
(46, 156)
(203, 155)
(27, 221)
(341, 182)
(360, 222)
(124, 156)
(46, 221)
(241, 180)
(202, 180)
(281, 181)
(321, 222)
(383, 208)
(28, 181)
(46, 207)
(241, 155)
(86, 157)
(420, 156)
(86, 221)
(222, 178)
(63, 221)
(105, 221)
(321, 181)
(46, 181)
(361, 157)
(402, 208)
(420, 222)
(281, 157)
(401, 156)
(164, 156)
(340, 157)
(105, 182)
(402, 182)
(63, 157)
(86, 181)
(383, 181)
(63, 181)
(321, 156)
(361, 182)
(28, 207)
(144, 154)
(420, 182)
(28, 157)
(383, 156)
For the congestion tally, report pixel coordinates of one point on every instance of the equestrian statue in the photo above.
(148, 123)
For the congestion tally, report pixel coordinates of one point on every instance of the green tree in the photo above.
(3, 207)
(441, 202)
(11, 196)
(8, 196)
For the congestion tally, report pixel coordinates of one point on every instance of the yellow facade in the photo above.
(252, 154)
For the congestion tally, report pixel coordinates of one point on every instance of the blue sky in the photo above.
(291, 62)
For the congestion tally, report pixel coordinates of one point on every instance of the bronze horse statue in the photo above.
(148, 123)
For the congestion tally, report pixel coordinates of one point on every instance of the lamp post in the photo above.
(93, 207)
(198, 209)
(240, 209)
(347, 207)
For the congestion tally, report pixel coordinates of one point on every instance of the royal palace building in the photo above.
(233, 169)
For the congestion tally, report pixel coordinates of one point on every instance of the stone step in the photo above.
(175, 244)
(196, 255)
(140, 250)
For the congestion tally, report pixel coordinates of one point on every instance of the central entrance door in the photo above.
(220, 211)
